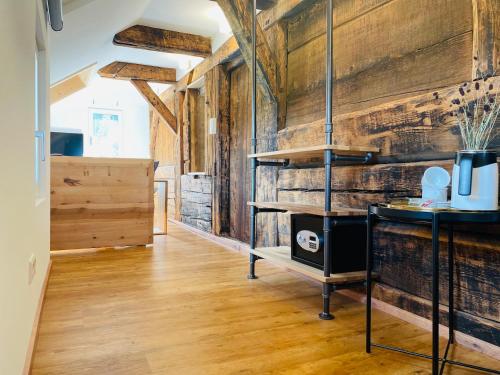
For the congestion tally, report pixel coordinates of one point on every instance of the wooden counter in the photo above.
(101, 202)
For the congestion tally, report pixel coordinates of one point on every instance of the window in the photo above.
(105, 132)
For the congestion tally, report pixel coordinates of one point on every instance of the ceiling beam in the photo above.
(239, 16)
(147, 92)
(128, 71)
(71, 84)
(161, 40)
(264, 4)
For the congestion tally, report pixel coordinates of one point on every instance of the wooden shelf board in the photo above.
(315, 152)
(281, 257)
(308, 209)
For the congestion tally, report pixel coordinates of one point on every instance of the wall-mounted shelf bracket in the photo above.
(353, 158)
(284, 163)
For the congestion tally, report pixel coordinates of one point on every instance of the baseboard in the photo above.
(224, 241)
(461, 338)
(34, 332)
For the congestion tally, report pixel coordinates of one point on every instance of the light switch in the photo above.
(212, 126)
(31, 268)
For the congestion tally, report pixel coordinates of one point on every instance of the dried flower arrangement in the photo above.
(476, 108)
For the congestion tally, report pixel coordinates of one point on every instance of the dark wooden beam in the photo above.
(128, 71)
(217, 85)
(486, 37)
(282, 10)
(239, 16)
(225, 53)
(179, 152)
(147, 92)
(161, 40)
(264, 4)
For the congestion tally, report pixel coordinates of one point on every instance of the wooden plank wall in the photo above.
(270, 118)
(163, 148)
(100, 202)
(162, 141)
(197, 130)
(217, 86)
(240, 143)
(397, 65)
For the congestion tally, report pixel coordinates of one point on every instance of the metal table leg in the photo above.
(253, 258)
(451, 308)
(435, 358)
(369, 261)
(435, 294)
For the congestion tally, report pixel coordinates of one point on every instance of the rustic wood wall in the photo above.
(184, 203)
(163, 148)
(397, 65)
(217, 101)
(197, 130)
(240, 146)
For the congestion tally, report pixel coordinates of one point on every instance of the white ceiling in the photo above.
(89, 27)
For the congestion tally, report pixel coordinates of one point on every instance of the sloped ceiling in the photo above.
(89, 27)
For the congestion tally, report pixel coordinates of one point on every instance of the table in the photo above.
(436, 217)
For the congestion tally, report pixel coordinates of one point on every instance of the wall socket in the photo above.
(31, 268)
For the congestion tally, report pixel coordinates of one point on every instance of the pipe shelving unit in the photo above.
(332, 216)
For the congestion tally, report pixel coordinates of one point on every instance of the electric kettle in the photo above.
(475, 181)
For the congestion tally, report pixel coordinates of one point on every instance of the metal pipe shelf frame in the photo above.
(329, 153)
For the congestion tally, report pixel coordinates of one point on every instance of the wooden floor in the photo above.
(185, 306)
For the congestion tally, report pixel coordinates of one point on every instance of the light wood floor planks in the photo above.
(185, 306)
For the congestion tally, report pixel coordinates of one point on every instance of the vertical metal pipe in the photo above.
(325, 314)
(253, 192)
(435, 294)
(327, 225)
(329, 71)
(451, 312)
(329, 104)
(253, 161)
(254, 79)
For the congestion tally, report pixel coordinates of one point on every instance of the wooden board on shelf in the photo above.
(309, 209)
(314, 152)
(281, 256)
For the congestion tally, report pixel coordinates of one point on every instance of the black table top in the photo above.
(401, 211)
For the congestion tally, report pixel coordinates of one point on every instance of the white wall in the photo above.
(24, 218)
(73, 113)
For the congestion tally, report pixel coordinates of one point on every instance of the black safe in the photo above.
(348, 248)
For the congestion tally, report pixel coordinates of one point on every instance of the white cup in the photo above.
(435, 183)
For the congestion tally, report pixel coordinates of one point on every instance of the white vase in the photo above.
(475, 181)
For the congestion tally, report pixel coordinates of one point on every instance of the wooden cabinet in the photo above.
(101, 202)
